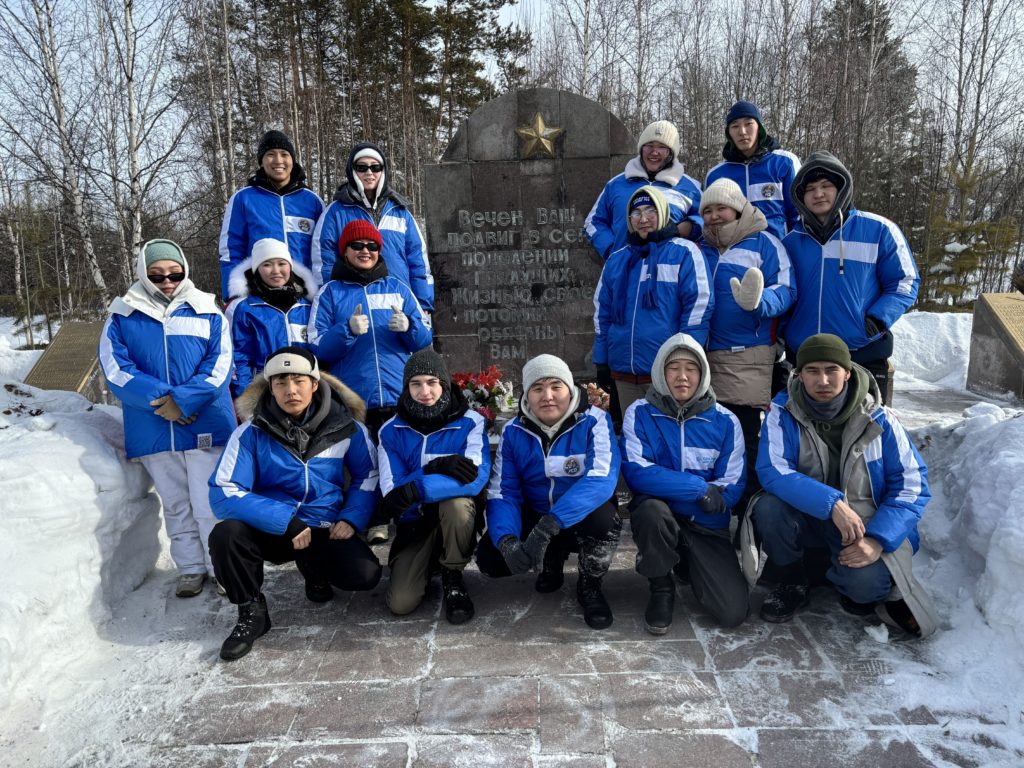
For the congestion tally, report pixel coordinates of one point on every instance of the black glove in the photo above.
(400, 499)
(604, 378)
(537, 542)
(515, 556)
(873, 327)
(456, 467)
(712, 502)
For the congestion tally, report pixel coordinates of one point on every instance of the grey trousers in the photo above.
(416, 548)
(663, 540)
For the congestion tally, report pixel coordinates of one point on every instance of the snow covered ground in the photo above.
(95, 653)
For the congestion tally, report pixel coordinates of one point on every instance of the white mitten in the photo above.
(359, 323)
(399, 321)
(748, 293)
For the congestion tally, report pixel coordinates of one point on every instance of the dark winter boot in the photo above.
(596, 611)
(458, 608)
(789, 596)
(856, 609)
(319, 592)
(253, 622)
(658, 616)
(551, 578)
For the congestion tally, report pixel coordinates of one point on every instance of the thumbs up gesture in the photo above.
(399, 321)
(359, 323)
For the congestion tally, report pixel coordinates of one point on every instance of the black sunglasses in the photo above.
(174, 277)
(359, 245)
(375, 167)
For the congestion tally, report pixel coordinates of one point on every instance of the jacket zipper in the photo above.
(167, 368)
(632, 328)
(376, 357)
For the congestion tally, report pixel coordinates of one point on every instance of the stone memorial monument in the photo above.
(997, 345)
(70, 363)
(514, 273)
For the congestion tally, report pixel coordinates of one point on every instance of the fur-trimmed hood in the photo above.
(239, 287)
(245, 403)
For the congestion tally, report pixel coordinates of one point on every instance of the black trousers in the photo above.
(750, 423)
(595, 538)
(239, 550)
(662, 540)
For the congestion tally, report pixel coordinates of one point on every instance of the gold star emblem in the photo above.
(538, 138)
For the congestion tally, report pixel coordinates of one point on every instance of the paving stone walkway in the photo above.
(527, 683)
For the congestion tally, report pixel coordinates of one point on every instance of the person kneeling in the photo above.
(554, 483)
(434, 459)
(683, 461)
(279, 491)
(840, 471)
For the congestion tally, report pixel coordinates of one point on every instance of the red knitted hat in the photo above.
(360, 229)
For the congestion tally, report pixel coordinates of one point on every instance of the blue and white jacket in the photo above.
(866, 268)
(642, 300)
(675, 457)
(606, 224)
(259, 328)
(149, 349)
(404, 249)
(372, 363)
(258, 211)
(403, 452)
(733, 327)
(261, 482)
(569, 476)
(765, 181)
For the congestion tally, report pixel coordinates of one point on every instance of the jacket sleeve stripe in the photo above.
(700, 272)
(222, 477)
(912, 481)
(475, 439)
(634, 448)
(223, 365)
(776, 441)
(115, 375)
(602, 447)
(387, 477)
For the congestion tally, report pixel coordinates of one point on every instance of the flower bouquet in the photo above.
(487, 393)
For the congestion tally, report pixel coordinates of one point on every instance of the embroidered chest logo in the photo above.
(768, 191)
(305, 226)
(571, 466)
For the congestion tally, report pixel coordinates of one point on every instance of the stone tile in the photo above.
(570, 761)
(844, 641)
(237, 715)
(683, 700)
(790, 699)
(501, 659)
(760, 645)
(195, 757)
(354, 710)
(494, 751)
(969, 745)
(657, 655)
(286, 655)
(379, 755)
(368, 652)
(477, 705)
(851, 748)
(571, 715)
(640, 750)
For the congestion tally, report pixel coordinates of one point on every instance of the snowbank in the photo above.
(78, 529)
(932, 350)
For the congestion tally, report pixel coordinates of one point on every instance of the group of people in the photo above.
(700, 297)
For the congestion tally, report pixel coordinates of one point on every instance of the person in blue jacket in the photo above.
(754, 286)
(855, 272)
(297, 481)
(839, 471)
(166, 353)
(647, 292)
(365, 323)
(763, 170)
(272, 311)
(553, 490)
(682, 457)
(656, 165)
(434, 460)
(276, 203)
(367, 195)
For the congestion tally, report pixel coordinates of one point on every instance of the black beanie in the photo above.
(274, 140)
(426, 362)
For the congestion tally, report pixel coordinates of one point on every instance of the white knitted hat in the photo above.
(723, 192)
(267, 249)
(662, 131)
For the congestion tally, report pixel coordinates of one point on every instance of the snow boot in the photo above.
(596, 611)
(856, 609)
(189, 584)
(551, 577)
(253, 622)
(784, 601)
(319, 592)
(458, 608)
(658, 616)
(377, 534)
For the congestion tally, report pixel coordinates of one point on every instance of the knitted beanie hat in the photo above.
(647, 195)
(274, 140)
(163, 250)
(358, 229)
(824, 348)
(426, 362)
(268, 248)
(369, 152)
(723, 192)
(661, 131)
(682, 353)
(546, 367)
(294, 360)
(743, 109)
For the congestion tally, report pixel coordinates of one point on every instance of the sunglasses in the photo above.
(363, 168)
(358, 245)
(174, 277)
